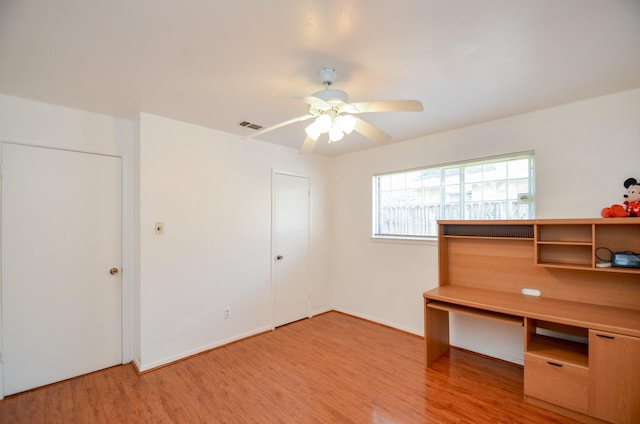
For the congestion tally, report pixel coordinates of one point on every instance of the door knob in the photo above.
(113, 271)
(279, 257)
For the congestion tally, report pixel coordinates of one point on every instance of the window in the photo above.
(409, 203)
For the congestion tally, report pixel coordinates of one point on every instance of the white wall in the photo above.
(28, 122)
(39, 124)
(584, 152)
(212, 190)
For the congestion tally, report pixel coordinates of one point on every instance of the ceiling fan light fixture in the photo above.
(323, 123)
(335, 134)
(346, 123)
(333, 115)
(313, 131)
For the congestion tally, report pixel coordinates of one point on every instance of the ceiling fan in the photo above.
(336, 117)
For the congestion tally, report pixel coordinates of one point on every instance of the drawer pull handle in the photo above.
(604, 336)
(555, 364)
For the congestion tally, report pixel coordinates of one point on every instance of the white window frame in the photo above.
(527, 200)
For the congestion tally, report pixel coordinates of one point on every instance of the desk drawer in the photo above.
(557, 382)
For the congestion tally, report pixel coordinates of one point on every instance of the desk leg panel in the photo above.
(436, 333)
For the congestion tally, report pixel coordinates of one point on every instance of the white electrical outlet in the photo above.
(227, 313)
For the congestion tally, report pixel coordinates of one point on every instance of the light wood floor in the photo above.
(332, 368)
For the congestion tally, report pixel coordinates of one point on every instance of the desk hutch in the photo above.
(581, 333)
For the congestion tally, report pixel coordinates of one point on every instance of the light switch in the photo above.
(159, 228)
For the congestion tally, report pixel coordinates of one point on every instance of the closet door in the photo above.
(292, 288)
(61, 256)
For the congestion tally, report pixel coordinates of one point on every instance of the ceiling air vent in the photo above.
(250, 125)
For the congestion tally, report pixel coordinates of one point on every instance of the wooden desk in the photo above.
(581, 336)
(512, 308)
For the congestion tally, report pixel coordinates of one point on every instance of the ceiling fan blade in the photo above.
(281, 124)
(308, 145)
(385, 106)
(372, 133)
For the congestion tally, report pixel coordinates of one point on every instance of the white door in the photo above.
(292, 288)
(61, 236)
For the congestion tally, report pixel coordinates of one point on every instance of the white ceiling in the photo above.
(217, 63)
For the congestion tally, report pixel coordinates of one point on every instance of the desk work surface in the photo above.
(596, 317)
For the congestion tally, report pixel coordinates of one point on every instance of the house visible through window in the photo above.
(409, 203)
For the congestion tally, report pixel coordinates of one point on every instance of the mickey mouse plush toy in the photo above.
(631, 204)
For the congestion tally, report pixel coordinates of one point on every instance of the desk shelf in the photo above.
(564, 233)
(563, 244)
(558, 350)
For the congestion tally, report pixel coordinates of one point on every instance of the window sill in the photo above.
(429, 241)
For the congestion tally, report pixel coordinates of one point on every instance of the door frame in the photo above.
(275, 172)
(128, 269)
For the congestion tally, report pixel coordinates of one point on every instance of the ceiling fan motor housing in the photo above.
(333, 97)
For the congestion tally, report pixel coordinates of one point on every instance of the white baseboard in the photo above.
(142, 367)
(320, 311)
(378, 321)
